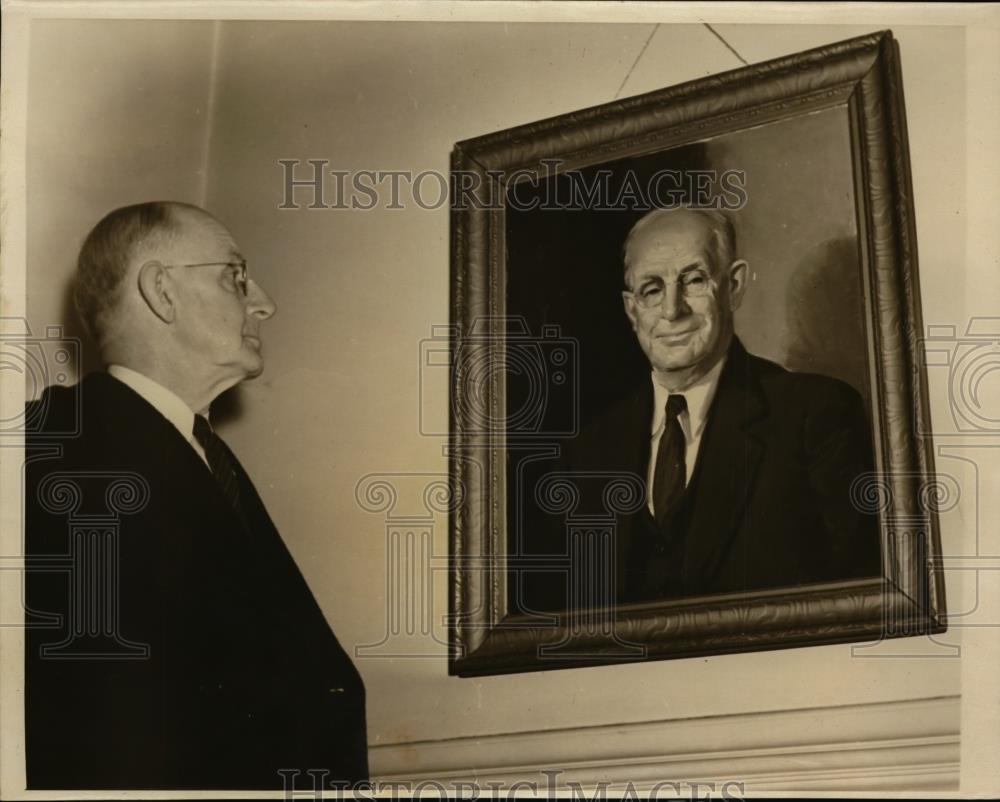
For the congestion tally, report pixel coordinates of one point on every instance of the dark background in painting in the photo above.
(564, 268)
(804, 307)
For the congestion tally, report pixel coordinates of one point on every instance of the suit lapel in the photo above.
(629, 446)
(129, 419)
(728, 458)
(193, 479)
(258, 518)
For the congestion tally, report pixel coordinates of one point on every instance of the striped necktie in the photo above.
(220, 461)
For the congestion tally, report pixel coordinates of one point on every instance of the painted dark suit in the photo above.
(768, 504)
(242, 676)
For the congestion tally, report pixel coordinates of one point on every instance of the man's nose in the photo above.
(259, 303)
(674, 304)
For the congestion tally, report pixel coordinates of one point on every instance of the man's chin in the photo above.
(675, 361)
(253, 361)
(255, 371)
(252, 366)
(683, 366)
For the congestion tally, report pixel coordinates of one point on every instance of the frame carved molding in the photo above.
(862, 74)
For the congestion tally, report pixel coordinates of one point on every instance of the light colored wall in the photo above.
(118, 114)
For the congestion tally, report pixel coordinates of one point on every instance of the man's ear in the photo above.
(157, 290)
(631, 309)
(739, 272)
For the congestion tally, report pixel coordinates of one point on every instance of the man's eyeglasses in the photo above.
(690, 284)
(238, 273)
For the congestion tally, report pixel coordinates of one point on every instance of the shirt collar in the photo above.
(698, 397)
(164, 401)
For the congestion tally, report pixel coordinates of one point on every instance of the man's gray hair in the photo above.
(721, 225)
(105, 256)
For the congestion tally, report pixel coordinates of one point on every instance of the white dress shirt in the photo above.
(699, 400)
(164, 401)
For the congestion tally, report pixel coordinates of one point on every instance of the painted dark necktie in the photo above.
(670, 473)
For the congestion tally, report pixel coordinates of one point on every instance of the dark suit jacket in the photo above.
(243, 676)
(768, 504)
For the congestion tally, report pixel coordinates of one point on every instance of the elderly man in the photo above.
(182, 647)
(748, 467)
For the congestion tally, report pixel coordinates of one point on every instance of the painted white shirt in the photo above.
(164, 401)
(699, 400)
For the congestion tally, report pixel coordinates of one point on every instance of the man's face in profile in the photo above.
(679, 301)
(219, 315)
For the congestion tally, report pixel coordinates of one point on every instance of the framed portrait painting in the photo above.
(686, 398)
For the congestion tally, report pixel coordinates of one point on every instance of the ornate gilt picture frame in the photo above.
(809, 155)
